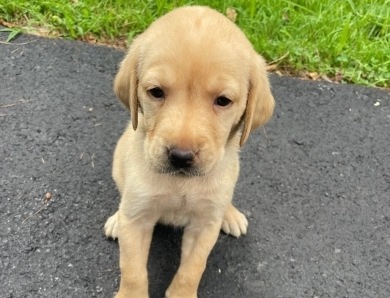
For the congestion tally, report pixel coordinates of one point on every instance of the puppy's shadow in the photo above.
(164, 258)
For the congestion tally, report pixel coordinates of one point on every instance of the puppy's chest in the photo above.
(177, 210)
(181, 209)
(178, 201)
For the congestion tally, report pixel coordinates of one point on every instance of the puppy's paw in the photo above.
(168, 295)
(131, 294)
(111, 226)
(180, 291)
(234, 222)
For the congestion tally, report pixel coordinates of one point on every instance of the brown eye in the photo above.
(222, 101)
(157, 92)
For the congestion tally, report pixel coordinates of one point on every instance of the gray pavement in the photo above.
(315, 187)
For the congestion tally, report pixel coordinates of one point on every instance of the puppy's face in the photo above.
(192, 79)
(192, 99)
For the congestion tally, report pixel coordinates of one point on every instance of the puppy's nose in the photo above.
(181, 158)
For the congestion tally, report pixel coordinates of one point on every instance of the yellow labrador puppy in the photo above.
(195, 88)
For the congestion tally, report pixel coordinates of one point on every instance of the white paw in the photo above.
(111, 226)
(234, 222)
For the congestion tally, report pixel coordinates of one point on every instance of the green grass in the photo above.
(344, 39)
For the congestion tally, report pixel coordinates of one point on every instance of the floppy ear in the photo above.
(126, 82)
(260, 103)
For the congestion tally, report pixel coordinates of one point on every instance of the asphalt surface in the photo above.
(315, 187)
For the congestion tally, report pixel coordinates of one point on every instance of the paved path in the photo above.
(315, 188)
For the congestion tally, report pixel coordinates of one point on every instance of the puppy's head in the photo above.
(193, 80)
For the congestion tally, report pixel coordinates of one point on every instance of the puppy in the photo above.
(195, 89)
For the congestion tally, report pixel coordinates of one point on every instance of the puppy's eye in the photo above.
(157, 92)
(222, 101)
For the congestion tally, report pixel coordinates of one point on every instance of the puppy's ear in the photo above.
(126, 81)
(260, 103)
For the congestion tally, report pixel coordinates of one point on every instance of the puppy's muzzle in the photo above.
(181, 158)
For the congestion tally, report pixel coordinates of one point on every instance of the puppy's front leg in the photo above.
(198, 241)
(134, 242)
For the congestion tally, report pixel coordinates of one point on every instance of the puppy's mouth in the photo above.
(180, 172)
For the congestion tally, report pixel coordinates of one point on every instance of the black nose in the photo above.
(181, 158)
